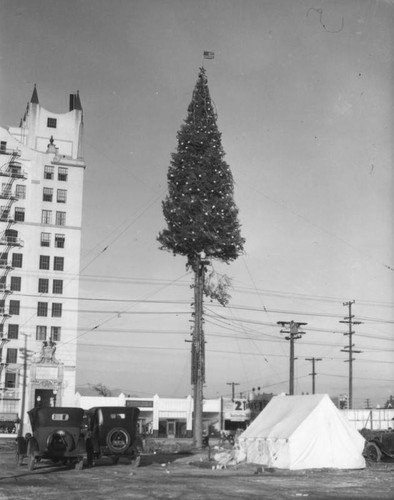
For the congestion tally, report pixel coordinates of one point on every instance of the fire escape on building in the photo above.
(10, 172)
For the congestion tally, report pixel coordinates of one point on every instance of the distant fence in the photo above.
(374, 419)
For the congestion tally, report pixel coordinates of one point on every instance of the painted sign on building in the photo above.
(236, 410)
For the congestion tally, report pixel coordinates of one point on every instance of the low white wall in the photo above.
(374, 419)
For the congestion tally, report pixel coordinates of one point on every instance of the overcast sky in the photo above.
(304, 95)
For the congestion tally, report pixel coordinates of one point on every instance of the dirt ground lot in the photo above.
(181, 476)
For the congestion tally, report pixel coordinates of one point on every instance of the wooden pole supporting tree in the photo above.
(202, 218)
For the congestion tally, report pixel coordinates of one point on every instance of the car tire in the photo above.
(373, 452)
(60, 441)
(118, 440)
(32, 447)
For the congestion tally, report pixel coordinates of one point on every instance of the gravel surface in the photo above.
(186, 476)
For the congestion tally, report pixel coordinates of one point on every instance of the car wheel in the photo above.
(118, 440)
(32, 447)
(373, 452)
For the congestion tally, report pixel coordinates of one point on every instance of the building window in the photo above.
(47, 194)
(43, 285)
(14, 307)
(15, 170)
(11, 236)
(49, 172)
(61, 195)
(4, 213)
(20, 191)
(57, 286)
(56, 333)
(56, 310)
(3, 260)
(10, 380)
(46, 217)
(12, 355)
(62, 174)
(51, 122)
(59, 240)
(41, 332)
(17, 259)
(44, 262)
(15, 284)
(19, 214)
(58, 263)
(6, 190)
(13, 331)
(3, 146)
(42, 309)
(45, 239)
(60, 218)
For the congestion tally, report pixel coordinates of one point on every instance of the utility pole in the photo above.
(349, 348)
(25, 356)
(294, 334)
(233, 384)
(313, 371)
(3, 341)
(198, 349)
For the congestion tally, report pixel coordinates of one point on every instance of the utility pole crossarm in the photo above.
(233, 384)
(313, 371)
(293, 334)
(349, 348)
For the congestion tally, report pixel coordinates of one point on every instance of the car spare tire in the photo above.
(60, 441)
(118, 440)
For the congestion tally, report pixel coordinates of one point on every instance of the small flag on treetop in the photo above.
(209, 55)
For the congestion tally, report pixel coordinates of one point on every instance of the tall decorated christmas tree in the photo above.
(201, 216)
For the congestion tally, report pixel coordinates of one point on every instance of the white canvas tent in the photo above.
(302, 432)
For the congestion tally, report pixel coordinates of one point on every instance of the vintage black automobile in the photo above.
(112, 432)
(379, 444)
(56, 435)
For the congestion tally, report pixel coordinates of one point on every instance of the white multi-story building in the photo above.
(41, 177)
